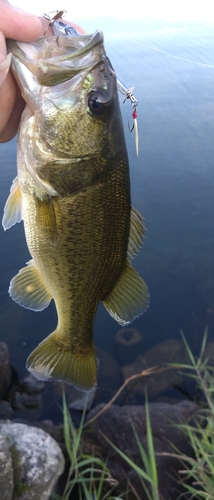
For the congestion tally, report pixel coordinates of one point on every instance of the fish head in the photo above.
(72, 117)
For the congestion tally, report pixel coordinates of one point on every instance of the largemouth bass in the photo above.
(72, 191)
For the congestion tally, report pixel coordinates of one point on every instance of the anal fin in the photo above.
(129, 297)
(28, 289)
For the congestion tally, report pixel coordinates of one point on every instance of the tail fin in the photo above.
(52, 360)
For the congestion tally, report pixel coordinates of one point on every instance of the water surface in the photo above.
(172, 182)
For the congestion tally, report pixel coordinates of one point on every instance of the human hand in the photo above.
(18, 25)
(25, 27)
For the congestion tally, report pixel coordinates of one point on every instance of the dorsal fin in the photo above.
(136, 233)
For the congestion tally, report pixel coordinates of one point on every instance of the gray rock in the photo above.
(209, 353)
(28, 394)
(81, 399)
(75, 399)
(5, 371)
(6, 410)
(31, 398)
(37, 461)
(31, 385)
(22, 401)
(115, 424)
(6, 470)
(167, 351)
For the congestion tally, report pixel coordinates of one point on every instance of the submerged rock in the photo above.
(164, 378)
(127, 345)
(30, 398)
(5, 370)
(28, 394)
(37, 461)
(115, 425)
(75, 399)
(6, 410)
(109, 376)
(23, 401)
(31, 385)
(109, 379)
(209, 353)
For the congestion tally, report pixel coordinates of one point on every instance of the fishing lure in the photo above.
(129, 95)
(59, 27)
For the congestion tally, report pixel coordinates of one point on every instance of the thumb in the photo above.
(18, 24)
(4, 60)
(4, 67)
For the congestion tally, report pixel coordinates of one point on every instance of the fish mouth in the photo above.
(57, 59)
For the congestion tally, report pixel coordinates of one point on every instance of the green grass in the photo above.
(87, 473)
(91, 475)
(148, 473)
(198, 472)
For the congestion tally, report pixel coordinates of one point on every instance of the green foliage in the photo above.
(198, 472)
(86, 473)
(148, 473)
(90, 474)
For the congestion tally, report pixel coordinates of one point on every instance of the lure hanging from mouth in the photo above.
(130, 96)
(59, 27)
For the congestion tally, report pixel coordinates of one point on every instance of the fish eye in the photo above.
(98, 102)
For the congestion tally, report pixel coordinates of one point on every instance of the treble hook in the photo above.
(58, 14)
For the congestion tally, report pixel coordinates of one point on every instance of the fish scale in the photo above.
(73, 193)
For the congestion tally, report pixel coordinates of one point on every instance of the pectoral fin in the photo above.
(12, 209)
(46, 218)
(28, 289)
(136, 233)
(129, 297)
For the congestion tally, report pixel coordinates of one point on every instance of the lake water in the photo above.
(171, 66)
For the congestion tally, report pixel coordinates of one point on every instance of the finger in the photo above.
(9, 97)
(18, 24)
(4, 60)
(12, 111)
(4, 67)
